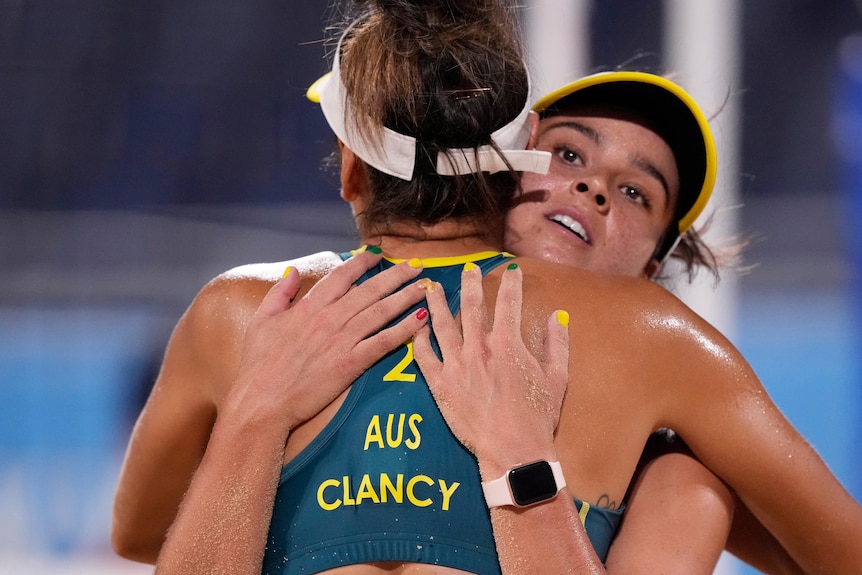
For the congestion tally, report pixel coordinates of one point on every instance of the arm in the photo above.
(677, 517)
(202, 363)
(661, 531)
(659, 521)
(753, 543)
(480, 388)
(728, 420)
(172, 431)
(224, 518)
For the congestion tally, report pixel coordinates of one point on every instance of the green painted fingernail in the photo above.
(512, 267)
(375, 250)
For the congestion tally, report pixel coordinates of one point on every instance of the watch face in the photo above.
(532, 483)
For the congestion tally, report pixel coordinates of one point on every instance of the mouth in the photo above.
(572, 225)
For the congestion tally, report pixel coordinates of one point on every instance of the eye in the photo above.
(635, 195)
(568, 155)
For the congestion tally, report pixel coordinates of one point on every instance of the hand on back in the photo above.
(300, 354)
(502, 402)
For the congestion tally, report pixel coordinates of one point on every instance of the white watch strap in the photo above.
(497, 492)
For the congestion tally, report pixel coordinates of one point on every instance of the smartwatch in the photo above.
(525, 485)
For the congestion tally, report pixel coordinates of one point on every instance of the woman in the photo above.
(599, 128)
(207, 370)
(450, 93)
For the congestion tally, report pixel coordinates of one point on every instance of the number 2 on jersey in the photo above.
(397, 372)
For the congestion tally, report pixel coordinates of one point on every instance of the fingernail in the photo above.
(469, 266)
(512, 266)
(421, 313)
(287, 271)
(427, 284)
(374, 249)
(563, 318)
(415, 263)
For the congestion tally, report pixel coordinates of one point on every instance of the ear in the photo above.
(534, 130)
(352, 180)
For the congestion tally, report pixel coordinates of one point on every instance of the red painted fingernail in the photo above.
(421, 313)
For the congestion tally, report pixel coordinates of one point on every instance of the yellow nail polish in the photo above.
(415, 263)
(563, 318)
(469, 266)
(427, 284)
(287, 271)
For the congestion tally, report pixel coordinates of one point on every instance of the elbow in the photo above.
(135, 546)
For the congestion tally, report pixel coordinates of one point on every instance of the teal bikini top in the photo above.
(387, 481)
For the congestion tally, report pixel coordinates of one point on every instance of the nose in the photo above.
(583, 188)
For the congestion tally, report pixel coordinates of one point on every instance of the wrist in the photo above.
(244, 438)
(242, 413)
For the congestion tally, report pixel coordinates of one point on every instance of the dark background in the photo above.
(133, 105)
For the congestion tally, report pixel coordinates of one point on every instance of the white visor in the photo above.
(395, 154)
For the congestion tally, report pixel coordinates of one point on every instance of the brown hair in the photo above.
(692, 254)
(448, 73)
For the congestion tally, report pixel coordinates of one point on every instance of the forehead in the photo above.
(603, 111)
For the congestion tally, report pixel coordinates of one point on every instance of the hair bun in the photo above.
(425, 16)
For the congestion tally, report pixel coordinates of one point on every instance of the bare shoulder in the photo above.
(643, 318)
(553, 285)
(234, 294)
(209, 336)
(313, 266)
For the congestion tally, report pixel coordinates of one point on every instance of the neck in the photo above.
(445, 239)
